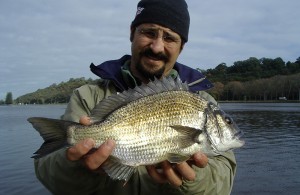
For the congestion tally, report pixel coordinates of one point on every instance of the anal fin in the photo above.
(118, 171)
(177, 158)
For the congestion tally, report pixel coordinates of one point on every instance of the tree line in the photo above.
(280, 87)
(8, 99)
(55, 93)
(247, 80)
(256, 80)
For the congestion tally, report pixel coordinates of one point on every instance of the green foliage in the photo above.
(55, 93)
(256, 79)
(252, 69)
(9, 98)
(259, 89)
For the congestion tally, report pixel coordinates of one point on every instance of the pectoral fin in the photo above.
(189, 135)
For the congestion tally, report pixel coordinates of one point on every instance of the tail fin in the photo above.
(54, 133)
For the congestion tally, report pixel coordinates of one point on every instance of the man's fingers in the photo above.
(171, 175)
(83, 147)
(80, 149)
(155, 174)
(93, 161)
(200, 159)
(186, 171)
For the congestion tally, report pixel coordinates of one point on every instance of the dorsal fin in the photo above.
(115, 101)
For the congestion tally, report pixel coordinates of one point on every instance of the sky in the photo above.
(45, 42)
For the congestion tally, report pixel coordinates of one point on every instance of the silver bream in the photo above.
(150, 123)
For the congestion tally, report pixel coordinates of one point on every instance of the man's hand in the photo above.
(81, 151)
(175, 173)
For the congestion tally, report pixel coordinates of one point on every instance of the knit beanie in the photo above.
(172, 14)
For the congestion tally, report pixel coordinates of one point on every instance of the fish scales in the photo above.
(145, 128)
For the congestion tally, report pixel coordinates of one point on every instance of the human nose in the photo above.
(157, 44)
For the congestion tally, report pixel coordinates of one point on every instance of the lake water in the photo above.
(269, 163)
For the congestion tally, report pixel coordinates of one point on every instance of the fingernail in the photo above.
(203, 156)
(91, 121)
(198, 156)
(88, 143)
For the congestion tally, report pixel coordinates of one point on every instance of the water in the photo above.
(18, 141)
(269, 163)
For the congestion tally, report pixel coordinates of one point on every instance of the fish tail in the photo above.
(54, 133)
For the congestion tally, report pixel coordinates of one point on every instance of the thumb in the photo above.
(85, 120)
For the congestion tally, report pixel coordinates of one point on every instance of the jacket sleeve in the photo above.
(59, 175)
(216, 178)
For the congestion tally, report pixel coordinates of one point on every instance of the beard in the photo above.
(147, 71)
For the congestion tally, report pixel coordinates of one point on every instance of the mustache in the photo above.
(158, 56)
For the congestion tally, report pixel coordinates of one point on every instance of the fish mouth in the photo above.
(237, 138)
(238, 134)
(234, 142)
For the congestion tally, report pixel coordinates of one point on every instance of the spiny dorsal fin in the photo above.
(113, 102)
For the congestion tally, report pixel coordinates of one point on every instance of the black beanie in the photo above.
(172, 14)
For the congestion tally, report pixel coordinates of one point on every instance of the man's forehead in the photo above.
(157, 26)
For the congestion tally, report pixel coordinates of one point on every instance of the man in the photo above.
(158, 34)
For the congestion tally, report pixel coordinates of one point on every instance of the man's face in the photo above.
(155, 50)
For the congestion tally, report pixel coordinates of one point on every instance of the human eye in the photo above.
(170, 38)
(150, 33)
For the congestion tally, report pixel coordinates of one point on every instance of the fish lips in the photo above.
(227, 144)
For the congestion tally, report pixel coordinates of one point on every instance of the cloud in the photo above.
(46, 42)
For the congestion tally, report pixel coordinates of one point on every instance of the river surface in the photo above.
(269, 163)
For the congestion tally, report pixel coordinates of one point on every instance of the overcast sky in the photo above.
(44, 42)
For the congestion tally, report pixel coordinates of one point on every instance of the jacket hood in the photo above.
(111, 70)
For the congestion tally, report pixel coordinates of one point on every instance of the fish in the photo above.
(151, 123)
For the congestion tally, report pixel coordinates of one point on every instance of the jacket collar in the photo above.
(111, 70)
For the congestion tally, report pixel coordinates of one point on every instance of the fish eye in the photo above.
(228, 120)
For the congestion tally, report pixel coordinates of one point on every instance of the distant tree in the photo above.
(291, 67)
(279, 65)
(262, 88)
(245, 70)
(235, 90)
(221, 68)
(217, 90)
(250, 65)
(250, 90)
(9, 98)
(296, 86)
